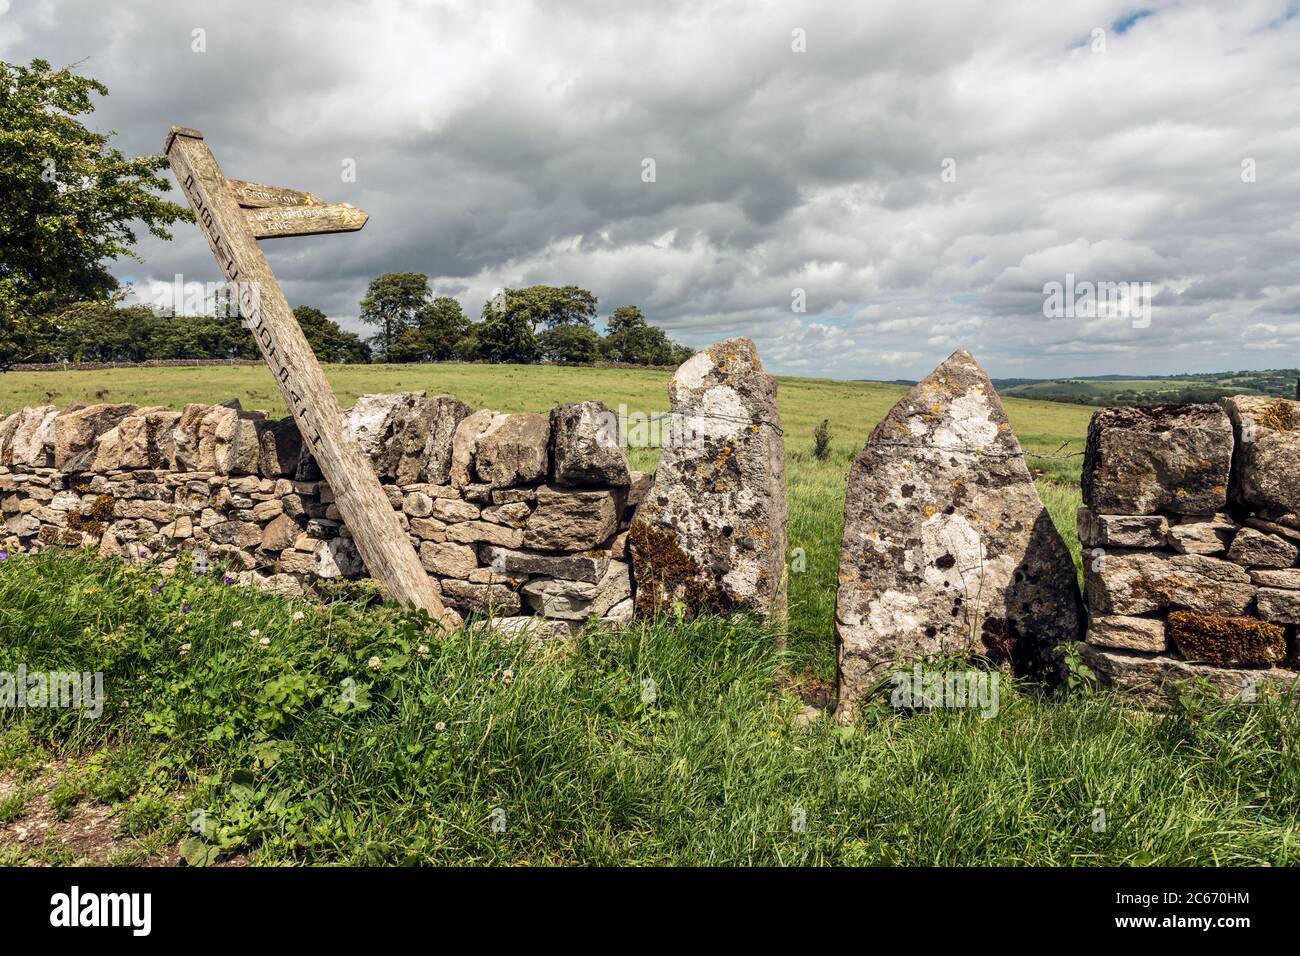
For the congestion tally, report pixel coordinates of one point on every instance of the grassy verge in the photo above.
(332, 737)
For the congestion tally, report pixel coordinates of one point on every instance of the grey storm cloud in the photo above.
(919, 172)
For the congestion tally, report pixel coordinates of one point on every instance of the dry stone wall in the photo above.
(519, 516)
(1191, 545)
(523, 517)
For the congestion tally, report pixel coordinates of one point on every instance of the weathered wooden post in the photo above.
(232, 231)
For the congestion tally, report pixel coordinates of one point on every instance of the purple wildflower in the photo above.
(3, 554)
(185, 608)
(228, 579)
(155, 589)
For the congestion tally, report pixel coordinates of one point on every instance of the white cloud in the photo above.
(501, 144)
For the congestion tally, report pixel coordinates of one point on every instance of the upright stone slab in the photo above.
(947, 547)
(426, 440)
(711, 532)
(512, 450)
(75, 433)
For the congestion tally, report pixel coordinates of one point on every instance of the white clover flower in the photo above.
(236, 624)
(374, 663)
(185, 648)
(298, 615)
(508, 677)
(440, 725)
(423, 650)
(265, 642)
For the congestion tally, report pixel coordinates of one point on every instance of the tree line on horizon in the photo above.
(540, 323)
(536, 324)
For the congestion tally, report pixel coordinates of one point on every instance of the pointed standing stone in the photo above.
(711, 532)
(947, 547)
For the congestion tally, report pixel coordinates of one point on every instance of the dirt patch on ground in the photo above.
(87, 834)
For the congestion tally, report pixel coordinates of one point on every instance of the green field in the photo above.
(474, 750)
(1154, 390)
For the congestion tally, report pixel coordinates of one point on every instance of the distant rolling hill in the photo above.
(1121, 390)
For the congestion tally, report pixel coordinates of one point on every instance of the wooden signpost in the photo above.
(233, 215)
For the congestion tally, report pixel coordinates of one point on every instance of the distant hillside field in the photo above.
(816, 488)
(1114, 390)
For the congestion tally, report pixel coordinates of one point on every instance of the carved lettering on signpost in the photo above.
(276, 222)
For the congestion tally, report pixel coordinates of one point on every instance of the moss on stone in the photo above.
(1218, 639)
(102, 509)
(665, 573)
(153, 428)
(53, 534)
(1278, 416)
(95, 518)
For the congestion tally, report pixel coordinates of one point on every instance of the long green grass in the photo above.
(480, 751)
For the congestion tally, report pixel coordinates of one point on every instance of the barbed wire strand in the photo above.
(1053, 456)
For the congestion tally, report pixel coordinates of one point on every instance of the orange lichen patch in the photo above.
(1279, 416)
(930, 511)
(1218, 639)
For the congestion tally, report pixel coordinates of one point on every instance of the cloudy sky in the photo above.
(920, 170)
